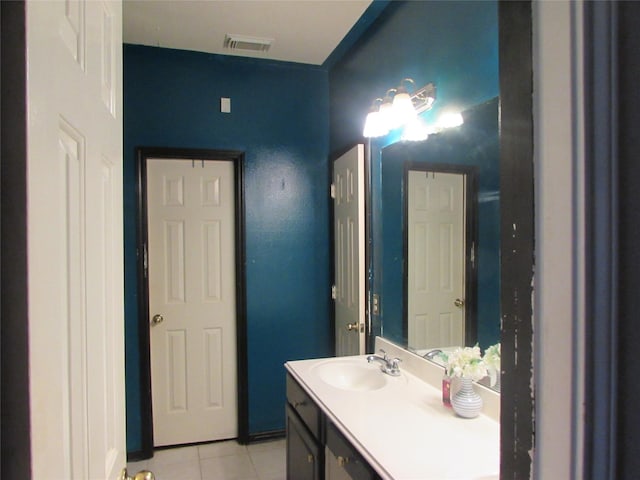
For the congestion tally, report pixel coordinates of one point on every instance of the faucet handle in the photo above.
(384, 354)
(395, 362)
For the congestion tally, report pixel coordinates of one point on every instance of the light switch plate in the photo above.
(225, 105)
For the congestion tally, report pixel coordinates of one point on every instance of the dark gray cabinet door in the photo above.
(347, 457)
(305, 459)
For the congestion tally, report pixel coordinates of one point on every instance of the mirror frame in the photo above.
(517, 237)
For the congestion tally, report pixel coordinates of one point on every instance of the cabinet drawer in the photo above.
(306, 408)
(305, 456)
(347, 456)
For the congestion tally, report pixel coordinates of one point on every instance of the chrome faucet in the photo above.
(389, 365)
(432, 353)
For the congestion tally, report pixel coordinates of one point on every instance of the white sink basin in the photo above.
(353, 374)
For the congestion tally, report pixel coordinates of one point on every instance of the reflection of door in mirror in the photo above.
(439, 245)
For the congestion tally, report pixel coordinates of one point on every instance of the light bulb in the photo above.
(416, 130)
(450, 120)
(403, 110)
(374, 125)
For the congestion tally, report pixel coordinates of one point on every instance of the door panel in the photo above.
(74, 185)
(348, 181)
(436, 259)
(190, 208)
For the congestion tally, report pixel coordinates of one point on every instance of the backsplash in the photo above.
(432, 374)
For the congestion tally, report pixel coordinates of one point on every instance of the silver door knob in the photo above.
(157, 319)
(458, 303)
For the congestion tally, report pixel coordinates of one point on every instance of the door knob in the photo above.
(157, 319)
(353, 327)
(458, 303)
(141, 475)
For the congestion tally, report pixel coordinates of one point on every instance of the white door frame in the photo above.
(145, 154)
(471, 243)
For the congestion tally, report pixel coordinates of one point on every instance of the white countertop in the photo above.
(403, 430)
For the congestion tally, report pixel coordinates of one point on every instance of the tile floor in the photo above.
(217, 461)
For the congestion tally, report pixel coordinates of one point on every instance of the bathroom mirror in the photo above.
(467, 158)
(514, 271)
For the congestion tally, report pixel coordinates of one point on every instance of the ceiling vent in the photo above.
(243, 42)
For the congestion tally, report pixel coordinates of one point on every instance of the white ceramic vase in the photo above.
(466, 402)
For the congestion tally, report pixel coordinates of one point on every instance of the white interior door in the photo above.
(436, 263)
(190, 207)
(75, 264)
(348, 185)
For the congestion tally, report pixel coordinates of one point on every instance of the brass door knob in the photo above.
(141, 475)
(156, 320)
(144, 475)
(352, 326)
(458, 303)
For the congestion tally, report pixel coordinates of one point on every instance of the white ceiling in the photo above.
(303, 31)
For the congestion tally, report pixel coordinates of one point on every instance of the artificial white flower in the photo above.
(492, 361)
(465, 363)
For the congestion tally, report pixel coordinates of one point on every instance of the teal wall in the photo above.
(280, 119)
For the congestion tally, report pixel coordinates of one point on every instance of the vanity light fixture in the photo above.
(375, 126)
(418, 130)
(398, 108)
(402, 104)
(450, 120)
(388, 113)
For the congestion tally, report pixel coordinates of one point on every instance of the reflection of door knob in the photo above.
(156, 320)
(352, 326)
(458, 303)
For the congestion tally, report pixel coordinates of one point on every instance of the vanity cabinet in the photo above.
(305, 435)
(316, 450)
(305, 457)
(343, 461)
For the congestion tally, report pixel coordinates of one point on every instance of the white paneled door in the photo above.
(436, 259)
(75, 265)
(192, 308)
(349, 253)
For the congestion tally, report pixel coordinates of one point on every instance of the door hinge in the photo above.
(334, 292)
(473, 255)
(333, 190)
(145, 260)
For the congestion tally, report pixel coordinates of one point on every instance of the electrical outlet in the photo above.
(375, 304)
